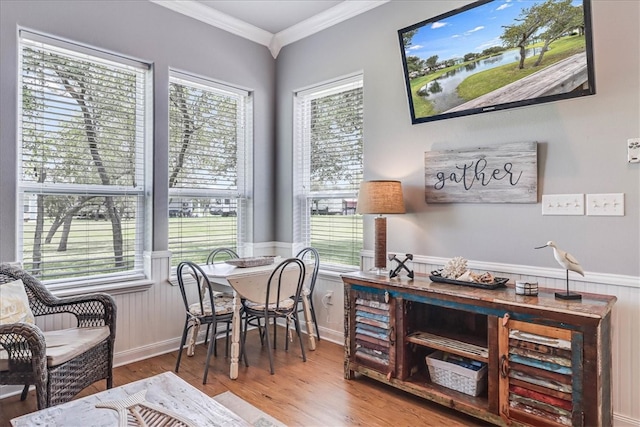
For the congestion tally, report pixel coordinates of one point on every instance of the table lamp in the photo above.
(380, 197)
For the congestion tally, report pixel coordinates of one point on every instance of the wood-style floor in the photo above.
(299, 394)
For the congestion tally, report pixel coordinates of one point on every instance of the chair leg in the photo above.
(42, 396)
(206, 336)
(215, 341)
(313, 317)
(260, 329)
(25, 391)
(286, 336)
(296, 320)
(274, 331)
(182, 342)
(266, 333)
(243, 340)
(210, 349)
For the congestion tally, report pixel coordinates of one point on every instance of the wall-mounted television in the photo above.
(497, 54)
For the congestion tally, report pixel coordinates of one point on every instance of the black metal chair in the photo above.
(202, 307)
(81, 355)
(310, 286)
(225, 253)
(221, 254)
(279, 296)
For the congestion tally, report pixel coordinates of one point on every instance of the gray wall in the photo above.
(582, 141)
(151, 33)
(582, 144)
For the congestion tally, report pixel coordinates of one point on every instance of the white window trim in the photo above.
(244, 155)
(301, 159)
(117, 283)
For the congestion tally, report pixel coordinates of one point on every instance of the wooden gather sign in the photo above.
(505, 173)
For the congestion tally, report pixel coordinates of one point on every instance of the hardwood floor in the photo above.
(299, 394)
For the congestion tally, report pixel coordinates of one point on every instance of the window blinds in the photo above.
(328, 145)
(208, 167)
(81, 181)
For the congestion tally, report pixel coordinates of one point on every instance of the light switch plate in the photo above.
(611, 204)
(563, 204)
(633, 150)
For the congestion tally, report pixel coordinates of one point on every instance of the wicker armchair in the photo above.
(80, 355)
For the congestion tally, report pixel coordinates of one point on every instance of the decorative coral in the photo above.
(454, 268)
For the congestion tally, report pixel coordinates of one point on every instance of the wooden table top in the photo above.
(590, 306)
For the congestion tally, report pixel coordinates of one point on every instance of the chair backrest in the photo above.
(311, 252)
(286, 281)
(283, 282)
(225, 253)
(39, 296)
(189, 271)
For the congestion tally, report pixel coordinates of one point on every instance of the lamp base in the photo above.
(380, 244)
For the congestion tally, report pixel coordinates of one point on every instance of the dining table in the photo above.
(249, 283)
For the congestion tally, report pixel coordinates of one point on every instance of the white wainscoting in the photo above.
(149, 322)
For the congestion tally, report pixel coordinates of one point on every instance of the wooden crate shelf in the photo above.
(449, 345)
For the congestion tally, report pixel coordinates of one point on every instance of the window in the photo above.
(209, 167)
(328, 170)
(81, 160)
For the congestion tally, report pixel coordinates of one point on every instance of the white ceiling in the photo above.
(271, 23)
(271, 16)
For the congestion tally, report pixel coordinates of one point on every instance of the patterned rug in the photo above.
(247, 411)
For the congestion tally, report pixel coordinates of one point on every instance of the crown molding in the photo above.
(330, 17)
(274, 42)
(217, 19)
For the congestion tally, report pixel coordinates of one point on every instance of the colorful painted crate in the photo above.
(372, 330)
(539, 383)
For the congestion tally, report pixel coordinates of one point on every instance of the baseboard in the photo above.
(336, 337)
(623, 421)
(10, 390)
(146, 352)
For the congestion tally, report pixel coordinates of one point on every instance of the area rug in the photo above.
(247, 411)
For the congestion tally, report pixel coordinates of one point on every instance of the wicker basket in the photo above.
(456, 377)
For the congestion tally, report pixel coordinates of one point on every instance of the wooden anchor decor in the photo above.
(401, 265)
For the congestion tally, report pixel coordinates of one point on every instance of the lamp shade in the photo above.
(380, 197)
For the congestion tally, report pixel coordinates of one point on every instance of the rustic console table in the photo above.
(548, 361)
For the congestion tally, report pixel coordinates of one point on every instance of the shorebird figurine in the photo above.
(568, 262)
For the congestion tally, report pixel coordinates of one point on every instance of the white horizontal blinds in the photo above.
(81, 160)
(329, 123)
(207, 135)
(197, 225)
(203, 137)
(336, 140)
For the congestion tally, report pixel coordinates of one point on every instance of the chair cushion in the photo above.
(286, 304)
(223, 303)
(14, 304)
(65, 344)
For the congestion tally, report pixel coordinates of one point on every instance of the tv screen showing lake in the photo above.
(496, 54)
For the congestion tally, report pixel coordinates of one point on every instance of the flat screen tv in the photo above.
(497, 54)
